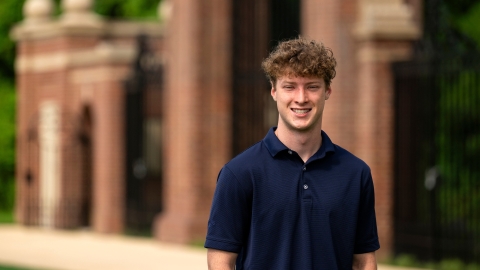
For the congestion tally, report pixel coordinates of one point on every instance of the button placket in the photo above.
(307, 200)
(304, 169)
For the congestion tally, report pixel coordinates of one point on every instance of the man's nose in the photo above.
(301, 96)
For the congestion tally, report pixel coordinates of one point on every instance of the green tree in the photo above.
(10, 13)
(130, 9)
(464, 15)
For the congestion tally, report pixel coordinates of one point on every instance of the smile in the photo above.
(301, 111)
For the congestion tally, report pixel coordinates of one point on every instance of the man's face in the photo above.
(300, 102)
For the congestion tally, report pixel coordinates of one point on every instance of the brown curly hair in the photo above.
(300, 57)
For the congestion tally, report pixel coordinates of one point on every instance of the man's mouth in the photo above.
(301, 111)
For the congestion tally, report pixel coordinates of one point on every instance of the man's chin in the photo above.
(301, 128)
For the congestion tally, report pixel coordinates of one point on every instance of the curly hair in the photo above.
(300, 57)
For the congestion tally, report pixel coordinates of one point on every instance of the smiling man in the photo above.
(294, 200)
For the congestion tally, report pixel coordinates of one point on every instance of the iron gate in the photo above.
(143, 142)
(48, 207)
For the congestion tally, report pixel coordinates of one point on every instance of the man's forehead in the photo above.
(295, 77)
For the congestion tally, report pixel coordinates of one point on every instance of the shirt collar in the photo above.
(275, 146)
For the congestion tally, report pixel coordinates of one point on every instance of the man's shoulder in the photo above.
(244, 165)
(249, 157)
(349, 159)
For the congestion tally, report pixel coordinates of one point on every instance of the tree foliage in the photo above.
(7, 144)
(10, 13)
(458, 145)
(464, 15)
(132, 9)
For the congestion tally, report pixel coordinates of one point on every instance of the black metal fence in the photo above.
(143, 141)
(438, 157)
(437, 144)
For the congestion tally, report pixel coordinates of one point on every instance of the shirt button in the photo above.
(304, 168)
(290, 152)
(305, 186)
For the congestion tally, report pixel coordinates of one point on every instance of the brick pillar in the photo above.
(108, 149)
(375, 128)
(384, 33)
(197, 110)
(37, 13)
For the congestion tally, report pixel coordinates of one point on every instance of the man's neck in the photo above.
(305, 143)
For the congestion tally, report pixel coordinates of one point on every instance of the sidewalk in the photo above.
(81, 250)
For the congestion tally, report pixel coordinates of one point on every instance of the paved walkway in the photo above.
(82, 250)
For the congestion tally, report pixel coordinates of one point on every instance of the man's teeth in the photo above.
(300, 111)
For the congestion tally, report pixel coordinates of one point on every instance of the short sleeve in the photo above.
(366, 239)
(230, 213)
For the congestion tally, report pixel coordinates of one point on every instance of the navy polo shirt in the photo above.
(278, 212)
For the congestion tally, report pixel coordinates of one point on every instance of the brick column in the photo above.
(108, 147)
(197, 115)
(384, 33)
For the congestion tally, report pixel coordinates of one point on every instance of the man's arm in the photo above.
(365, 261)
(221, 260)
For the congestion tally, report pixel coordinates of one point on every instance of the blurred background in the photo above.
(116, 116)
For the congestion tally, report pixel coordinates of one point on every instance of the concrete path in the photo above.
(81, 250)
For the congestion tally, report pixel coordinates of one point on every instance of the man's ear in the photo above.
(328, 91)
(273, 92)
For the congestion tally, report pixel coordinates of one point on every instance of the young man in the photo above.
(295, 200)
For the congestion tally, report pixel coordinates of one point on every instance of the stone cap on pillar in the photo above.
(387, 19)
(165, 10)
(79, 18)
(79, 13)
(37, 11)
